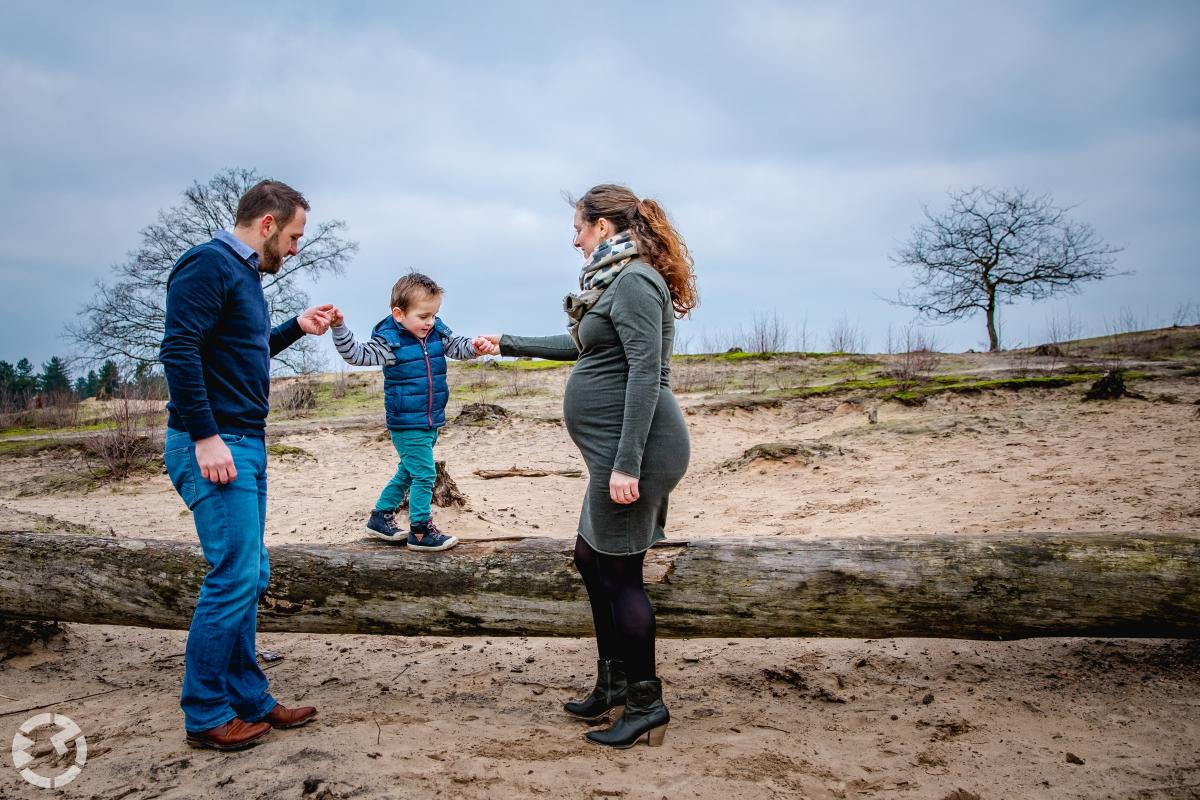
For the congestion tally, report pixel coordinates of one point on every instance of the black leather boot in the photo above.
(609, 693)
(645, 715)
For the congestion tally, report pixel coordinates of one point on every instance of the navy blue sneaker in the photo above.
(382, 525)
(431, 539)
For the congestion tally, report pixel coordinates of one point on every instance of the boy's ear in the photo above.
(397, 314)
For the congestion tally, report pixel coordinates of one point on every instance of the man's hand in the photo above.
(215, 460)
(486, 345)
(317, 319)
(623, 488)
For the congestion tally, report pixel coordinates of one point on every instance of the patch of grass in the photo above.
(524, 364)
(772, 356)
(355, 398)
(18, 448)
(91, 427)
(739, 357)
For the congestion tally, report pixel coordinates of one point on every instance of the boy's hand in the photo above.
(337, 318)
(487, 345)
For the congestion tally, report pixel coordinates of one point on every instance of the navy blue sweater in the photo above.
(217, 346)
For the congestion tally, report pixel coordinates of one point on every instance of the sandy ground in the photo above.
(428, 717)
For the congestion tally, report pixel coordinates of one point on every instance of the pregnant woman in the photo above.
(619, 410)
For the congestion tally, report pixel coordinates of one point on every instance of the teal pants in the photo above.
(415, 474)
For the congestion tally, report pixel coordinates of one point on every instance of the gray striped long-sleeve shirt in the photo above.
(376, 354)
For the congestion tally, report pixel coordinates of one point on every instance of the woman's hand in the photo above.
(623, 488)
(488, 345)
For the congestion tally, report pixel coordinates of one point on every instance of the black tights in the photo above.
(621, 610)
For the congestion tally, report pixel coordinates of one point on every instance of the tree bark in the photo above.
(961, 586)
(993, 337)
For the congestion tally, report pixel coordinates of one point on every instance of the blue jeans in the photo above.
(221, 678)
(415, 474)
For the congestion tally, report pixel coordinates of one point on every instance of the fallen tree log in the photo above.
(961, 586)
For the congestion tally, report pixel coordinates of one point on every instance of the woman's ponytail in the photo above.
(658, 241)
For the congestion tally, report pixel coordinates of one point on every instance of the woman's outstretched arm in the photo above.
(558, 348)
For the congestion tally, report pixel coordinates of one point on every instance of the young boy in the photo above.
(412, 346)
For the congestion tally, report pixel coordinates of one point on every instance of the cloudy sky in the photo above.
(793, 143)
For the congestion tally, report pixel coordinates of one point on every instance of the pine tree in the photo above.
(108, 381)
(24, 382)
(55, 377)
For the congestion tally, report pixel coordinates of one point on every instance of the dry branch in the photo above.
(519, 472)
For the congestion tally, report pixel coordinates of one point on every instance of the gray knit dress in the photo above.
(619, 409)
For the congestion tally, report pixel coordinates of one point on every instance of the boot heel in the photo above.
(656, 736)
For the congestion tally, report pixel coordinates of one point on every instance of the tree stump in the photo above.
(481, 414)
(445, 491)
(1111, 386)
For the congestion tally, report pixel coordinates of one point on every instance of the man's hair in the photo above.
(269, 197)
(411, 288)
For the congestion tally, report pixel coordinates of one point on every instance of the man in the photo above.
(216, 353)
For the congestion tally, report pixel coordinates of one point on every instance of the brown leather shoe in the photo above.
(283, 717)
(236, 734)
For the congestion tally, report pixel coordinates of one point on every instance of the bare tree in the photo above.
(768, 334)
(992, 247)
(846, 337)
(914, 354)
(124, 320)
(1186, 313)
(802, 343)
(1063, 332)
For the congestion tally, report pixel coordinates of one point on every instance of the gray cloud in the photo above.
(794, 143)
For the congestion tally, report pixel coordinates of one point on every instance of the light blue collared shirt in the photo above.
(244, 251)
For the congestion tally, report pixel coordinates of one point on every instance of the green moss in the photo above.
(842, 387)
(960, 384)
(908, 398)
(281, 450)
(940, 383)
(1036, 382)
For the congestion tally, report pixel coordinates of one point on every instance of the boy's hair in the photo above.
(412, 287)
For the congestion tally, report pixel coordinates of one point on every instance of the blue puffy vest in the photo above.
(414, 388)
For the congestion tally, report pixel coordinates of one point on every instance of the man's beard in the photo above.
(271, 259)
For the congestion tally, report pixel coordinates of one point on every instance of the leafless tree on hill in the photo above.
(914, 353)
(846, 337)
(1062, 331)
(993, 247)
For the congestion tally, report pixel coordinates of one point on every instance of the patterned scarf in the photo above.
(608, 259)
